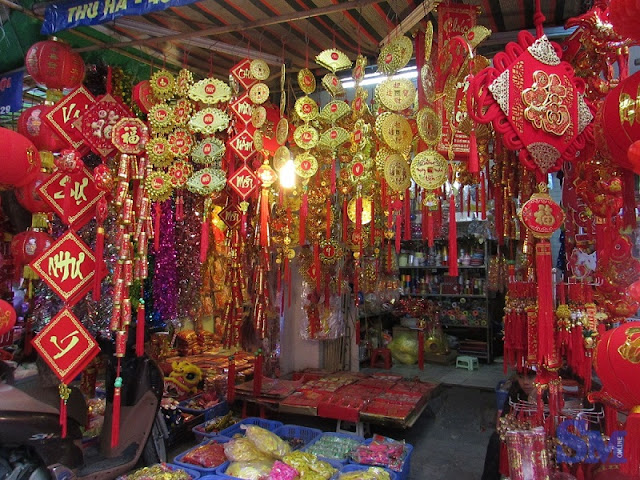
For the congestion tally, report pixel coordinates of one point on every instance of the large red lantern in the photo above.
(31, 124)
(54, 64)
(19, 159)
(29, 196)
(7, 317)
(617, 363)
(28, 245)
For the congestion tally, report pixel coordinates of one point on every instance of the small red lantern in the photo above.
(19, 158)
(29, 196)
(54, 64)
(31, 124)
(28, 245)
(7, 317)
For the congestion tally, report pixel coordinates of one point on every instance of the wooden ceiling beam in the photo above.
(289, 17)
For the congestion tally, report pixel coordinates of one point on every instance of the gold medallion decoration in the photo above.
(334, 137)
(210, 91)
(282, 131)
(258, 140)
(306, 81)
(281, 157)
(179, 173)
(380, 119)
(366, 210)
(182, 112)
(306, 165)
(428, 82)
(396, 132)
(395, 55)
(158, 186)
(428, 40)
(334, 111)
(161, 117)
(184, 82)
(207, 181)
(306, 108)
(397, 172)
(359, 169)
(283, 90)
(259, 93)
(208, 151)
(330, 251)
(306, 137)
(158, 152)
(162, 84)
(359, 105)
(396, 94)
(381, 157)
(359, 69)
(429, 126)
(333, 85)
(209, 121)
(259, 69)
(333, 60)
(258, 116)
(429, 169)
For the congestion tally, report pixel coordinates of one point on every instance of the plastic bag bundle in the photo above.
(266, 441)
(309, 466)
(242, 449)
(249, 470)
(372, 473)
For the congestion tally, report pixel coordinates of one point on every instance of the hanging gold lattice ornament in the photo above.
(158, 186)
(358, 71)
(330, 251)
(158, 152)
(210, 91)
(161, 118)
(208, 151)
(334, 111)
(396, 94)
(306, 165)
(382, 155)
(306, 137)
(182, 111)
(162, 84)
(429, 169)
(366, 210)
(429, 126)
(258, 116)
(209, 121)
(396, 132)
(179, 172)
(428, 41)
(180, 143)
(184, 82)
(333, 60)
(280, 157)
(334, 137)
(397, 172)
(359, 106)
(306, 81)
(380, 119)
(283, 90)
(282, 131)
(259, 93)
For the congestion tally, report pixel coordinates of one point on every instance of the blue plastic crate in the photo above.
(202, 470)
(306, 434)
(194, 474)
(201, 434)
(320, 438)
(217, 410)
(406, 466)
(211, 477)
(355, 467)
(270, 425)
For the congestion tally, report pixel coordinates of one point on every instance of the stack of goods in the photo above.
(334, 446)
(207, 341)
(463, 312)
(161, 471)
(201, 402)
(187, 343)
(208, 455)
(384, 452)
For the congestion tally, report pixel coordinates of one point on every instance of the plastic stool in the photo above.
(470, 363)
(381, 354)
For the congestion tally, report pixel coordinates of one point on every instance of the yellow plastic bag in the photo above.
(249, 470)
(242, 449)
(309, 466)
(372, 473)
(266, 441)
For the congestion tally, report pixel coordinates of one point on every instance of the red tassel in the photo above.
(468, 201)
(179, 208)
(407, 215)
(632, 443)
(140, 329)
(398, 236)
(356, 282)
(610, 419)
(628, 199)
(474, 161)
(156, 227)
(345, 218)
(333, 176)
(231, 380)
(97, 278)
(327, 291)
(328, 226)
(483, 197)
(546, 344)
(580, 473)
(316, 264)
(204, 238)
(453, 238)
(115, 419)
(499, 215)
(264, 218)
(63, 417)
(303, 219)
(243, 224)
(424, 227)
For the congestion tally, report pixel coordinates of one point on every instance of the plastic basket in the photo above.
(217, 410)
(201, 434)
(333, 461)
(202, 470)
(406, 466)
(194, 474)
(270, 425)
(306, 434)
(501, 395)
(356, 467)
(210, 477)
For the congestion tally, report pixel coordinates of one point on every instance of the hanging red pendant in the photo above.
(453, 238)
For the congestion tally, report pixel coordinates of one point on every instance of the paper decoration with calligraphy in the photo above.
(396, 94)
(534, 100)
(130, 135)
(84, 196)
(243, 109)
(397, 172)
(68, 267)
(66, 346)
(7, 317)
(64, 113)
(231, 215)
(396, 132)
(243, 182)
(429, 169)
(242, 73)
(209, 121)
(98, 121)
(210, 91)
(208, 151)
(242, 145)
(207, 181)
(541, 215)
(455, 19)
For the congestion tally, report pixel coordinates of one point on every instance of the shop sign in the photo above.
(578, 444)
(11, 92)
(76, 13)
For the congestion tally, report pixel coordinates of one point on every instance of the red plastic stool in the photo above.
(381, 354)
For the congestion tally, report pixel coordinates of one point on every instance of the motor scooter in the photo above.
(31, 446)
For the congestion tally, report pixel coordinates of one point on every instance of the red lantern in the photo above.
(31, 124)
(7, 317)
(617, 363)
(19, 158)
(54, 64)
(29, 197)
(622, 14)
(28, 245)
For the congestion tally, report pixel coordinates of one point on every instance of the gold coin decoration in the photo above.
(397, 172)
(359, 69)
(259, 93)
(429, 126)
(258, 140)
(396, 94)
(158, 152)
(161, 117)
(306, 137)
(282, 131)
(333, 85)
(395, 55)
(381, 157)
(396, 132)
(429, 169)
(428, 40)
(182, 111)
(380, 119)
(281, 157)
(306, 108)
(366, 210)
(162, 84)
(306, 81)
(259, 69)
(258, 116)
(158, 186)
(306, 165)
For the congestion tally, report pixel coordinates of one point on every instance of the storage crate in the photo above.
(217, 410)
(406, 465)
(200, 432)
(194, 474)
(211, 477)
(322, 438)
(356, 467)
(270, 425)
(306, 434)
(202, 470)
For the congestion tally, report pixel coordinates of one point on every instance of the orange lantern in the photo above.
(32, 125)
(19, 158)
(53, 64)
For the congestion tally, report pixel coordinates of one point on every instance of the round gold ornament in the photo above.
(161, 117)
(396, 132)
(395, 55)
(306, 165)
(179, 172)
(358, 71)
(380, 119)
(184, 82)
(162, 84)
(381, 157)
(306, 81)
(366, 210)
(306, 137)
(428, 40)
(396, 94)
(281, 157)
(259, 69)
(282, 131)
(182, 112)
(397, 172)
(158, 152)
(429, 126)
(429, 169)
(306, 108)
(258, 140)
(259, 93)
(158, 186)
(258, 116)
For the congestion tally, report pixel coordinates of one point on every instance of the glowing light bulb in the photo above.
(288, 175)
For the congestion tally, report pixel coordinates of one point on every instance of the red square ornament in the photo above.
(242, 107)
(242, 145)
(68, 267)
(66, 346)
(243, 182)
(64, 113)
(231, 216)
(242, 73)
(84, 196)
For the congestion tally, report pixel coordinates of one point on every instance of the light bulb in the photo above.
(288, 175)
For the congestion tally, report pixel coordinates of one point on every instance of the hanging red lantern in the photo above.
(19, 159)
(7, 317)
(28, 245)
(31, 124)
(29, 196)
(53, 64)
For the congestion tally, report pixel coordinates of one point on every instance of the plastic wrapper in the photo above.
(382, 451)
(331, 318)
(309, 466)
(528, 455)
(242, 449)
(159, 471)
(249, 470)
(282, 471)
(209, 455)
(333, 446)
(372, 473)
(404, 348)
(266, 441)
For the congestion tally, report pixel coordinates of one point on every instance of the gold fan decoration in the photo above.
(333, 60)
